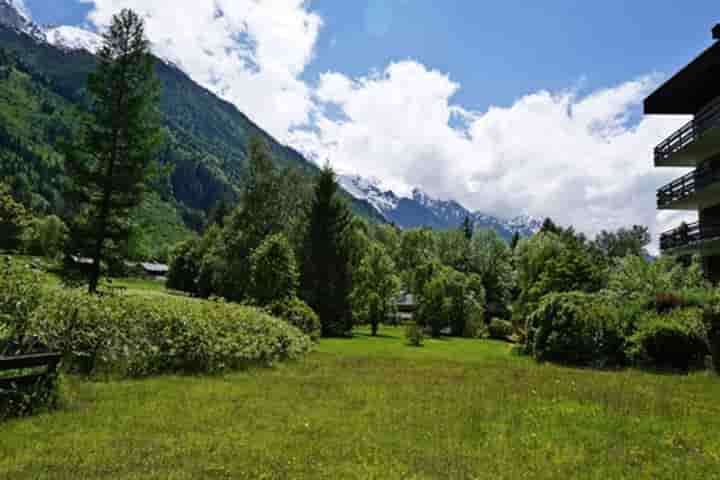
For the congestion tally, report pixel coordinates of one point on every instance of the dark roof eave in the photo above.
(690, 89)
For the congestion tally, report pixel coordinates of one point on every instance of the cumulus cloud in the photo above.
(249, 52)
(584, 160)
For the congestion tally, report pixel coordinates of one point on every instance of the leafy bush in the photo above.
(474, 328)
(299, 314)
(712, 323)
(274, 273)
(20, 295)
(677, 339)
(414, 335)
(500, 329)
(136, 336)
(26, 400)
(578, 328)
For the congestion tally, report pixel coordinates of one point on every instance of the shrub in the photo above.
(500, 329)
(28, 399)
(578, 328)
(299, 314)
(474, 328)
(712, 323)
(20, 295)
(415, 335)
(677, 340)
(137, 336)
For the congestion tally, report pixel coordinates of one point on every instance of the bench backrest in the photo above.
(50, 360)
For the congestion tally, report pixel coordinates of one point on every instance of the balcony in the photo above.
(696, 141)
(694, 191)
(692, 238)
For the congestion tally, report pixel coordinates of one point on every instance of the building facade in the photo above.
(695, 90)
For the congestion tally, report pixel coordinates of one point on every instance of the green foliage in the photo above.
(553, 263)
(414, 335)
(20, 294)
(712, 324)
(376, 287)
(45, 236)
(326, 281)
(12, 219)
(623, 242)
(417, 246)
(185, 265)
(579, 329)
(676, 339)
(273, 271)
(20, 401)
(115, 155)
(500, 329)
(434, 306)
(299, 314)
(491, 258)
(138, 335)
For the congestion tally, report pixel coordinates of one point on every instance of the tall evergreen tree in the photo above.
(326, 281)
(515, 240)
(115, 158)
(468, 227)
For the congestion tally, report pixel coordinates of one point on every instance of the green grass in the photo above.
(374, 408)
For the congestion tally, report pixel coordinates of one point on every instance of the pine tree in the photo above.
(115, 159)
(326, 281)
(515, 240)
(468, 227)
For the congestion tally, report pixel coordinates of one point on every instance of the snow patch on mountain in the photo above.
(423, 210)
(73, 38)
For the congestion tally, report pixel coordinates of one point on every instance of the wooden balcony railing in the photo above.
(687, 185)
(688, 235)
(707, 118)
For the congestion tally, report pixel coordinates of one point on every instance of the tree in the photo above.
(185, 267)
(515, 240)
(45, 236)
(491, 258)
(116, 155)
(326, 280)
(468, 227)
(416, 246)
(12, 219)
(623, 242)
(549, 226)
(434, 305)
(376, 287)
(273, 271)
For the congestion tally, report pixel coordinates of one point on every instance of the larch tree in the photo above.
(115, 159)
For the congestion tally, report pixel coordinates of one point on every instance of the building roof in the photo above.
(155, 267)
(691, 88)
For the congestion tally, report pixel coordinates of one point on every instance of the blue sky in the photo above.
(497, 50)
(510, 107)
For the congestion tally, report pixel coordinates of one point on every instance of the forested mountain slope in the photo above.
(206, 137)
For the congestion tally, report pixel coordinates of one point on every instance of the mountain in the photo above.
(422, 210)
(43, 74)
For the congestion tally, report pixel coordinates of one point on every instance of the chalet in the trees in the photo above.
(695, 90)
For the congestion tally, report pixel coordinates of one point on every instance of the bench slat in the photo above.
(28, 361)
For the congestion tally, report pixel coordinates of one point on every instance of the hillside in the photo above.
(42, 84)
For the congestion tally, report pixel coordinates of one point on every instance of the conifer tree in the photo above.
(115, 158)
(326, 280)
(468, 227)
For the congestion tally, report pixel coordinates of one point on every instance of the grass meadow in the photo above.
(374, 408)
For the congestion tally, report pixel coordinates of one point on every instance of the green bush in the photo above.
(299, 314)
(712, 323)
(474, 328)
(578, 328)
(137, 336)
(677, 340)
(414, 335)
(27, 400)
(500, 329)
(20, 295)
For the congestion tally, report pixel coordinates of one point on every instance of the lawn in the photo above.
(374, 408)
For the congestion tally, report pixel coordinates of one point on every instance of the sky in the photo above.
(510, 107)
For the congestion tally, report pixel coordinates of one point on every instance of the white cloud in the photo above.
(584, 160)
(251, 53)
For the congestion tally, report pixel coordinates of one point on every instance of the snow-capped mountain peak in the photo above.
(14, 15)
(423, 210)
(73, 38)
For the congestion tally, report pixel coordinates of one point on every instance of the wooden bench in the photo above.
(48, 360)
